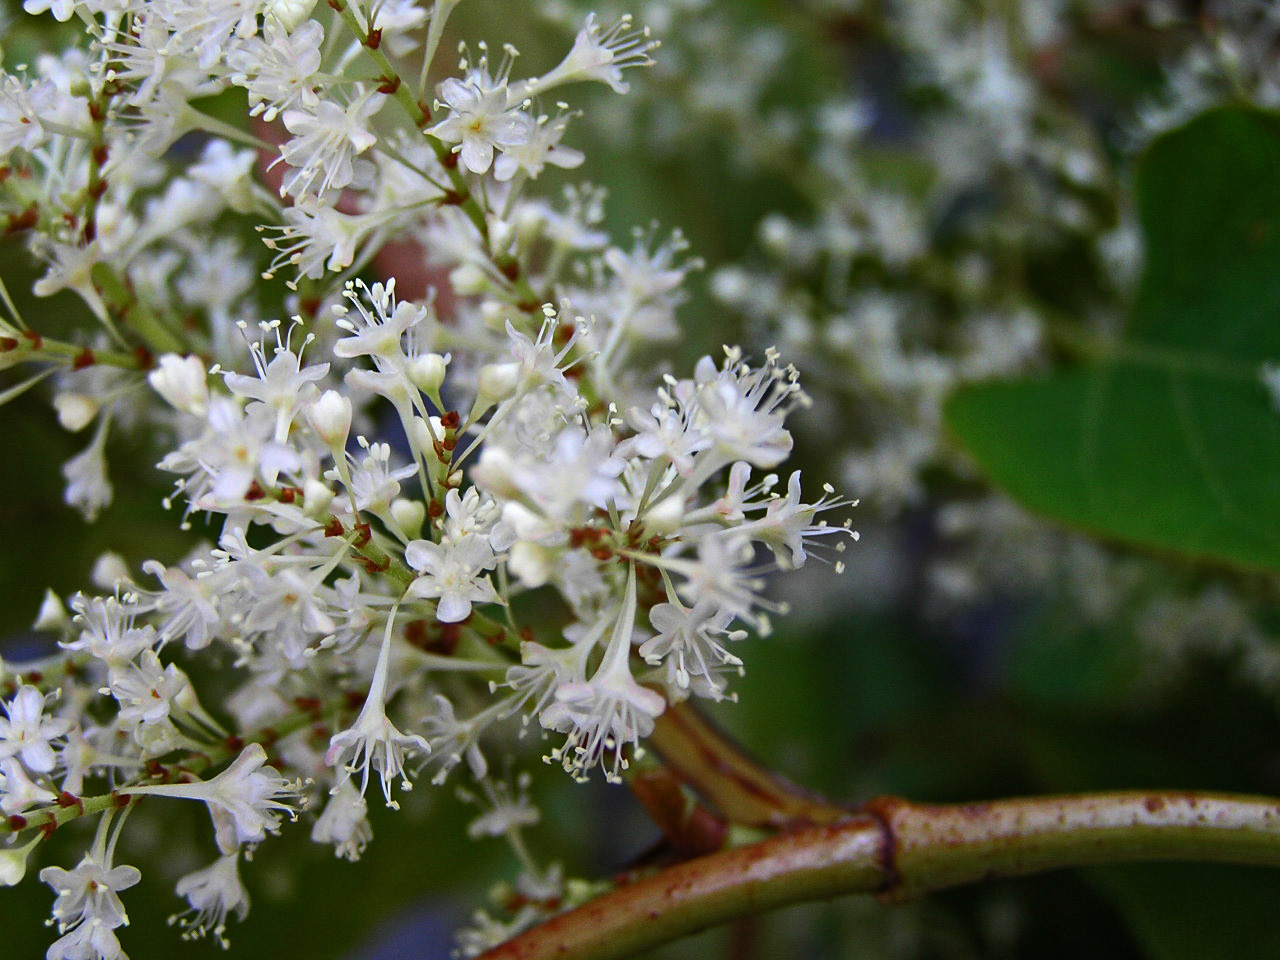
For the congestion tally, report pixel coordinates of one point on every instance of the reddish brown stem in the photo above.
(741, 789)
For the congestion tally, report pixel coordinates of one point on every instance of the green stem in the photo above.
(158, 337)
(52, 817)
(27, 351)
(112, 358)
(897, 849)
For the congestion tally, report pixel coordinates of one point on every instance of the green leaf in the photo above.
(1170, 440)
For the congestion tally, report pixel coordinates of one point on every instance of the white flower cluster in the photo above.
(956, 210)
(385, 473)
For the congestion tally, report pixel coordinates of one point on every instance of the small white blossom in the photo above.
(481, 118)
(26, 733)
(246, 800)
(326, 141)
(373, 740)
(344, 822)
(90, 893)
(214, 892)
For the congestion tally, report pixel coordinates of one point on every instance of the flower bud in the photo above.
(330, 417)
(13, 862)
(531, 563)
(183, 382)
(289, 13)
(408, 515)
(501, 233)
(52, 615)
(316, 497)
(497, 382)
(110, 572)
(423, 435)
(427, 371)
(75, 410)
(665, 516)
(468, 280)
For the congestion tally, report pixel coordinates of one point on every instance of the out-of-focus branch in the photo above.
(743, 791)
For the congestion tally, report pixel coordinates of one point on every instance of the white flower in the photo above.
(92, 940)
(505, 810)
(692, 639)
(281, 386)
(107, 629)
(146, 690)
(27, 733)
(344, 822)
(18, 792)
(543, 147)
(455, 572)
(788, 523)
(204, 29)
(326, 142)
(88, 487)
(609, 711)
(481, 119)
(183, 382)
(229, 171)
(372, 482)
(90, 892)
(235, 449)
(600, 54)
(213, 892)
(382, 325)
(21, 108)
(373, 739)
(186, 604)
(246, 800)
(453, 740)
(744, 408)
(316, 237)
(279, 69)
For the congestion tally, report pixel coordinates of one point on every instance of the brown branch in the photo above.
(741, 789)
(898, 849)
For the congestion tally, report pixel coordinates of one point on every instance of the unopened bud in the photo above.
(183, 382)
(468, 280)
(501, 233)
(330, 417)
(52, 615)
(531, 563)
(427, 371)
(497, 381)
(75, 410)
(110, 572)
(13, 862)
(316, 497)
(408, 515)
(665, 516)
(423, 435)
(290, 13)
